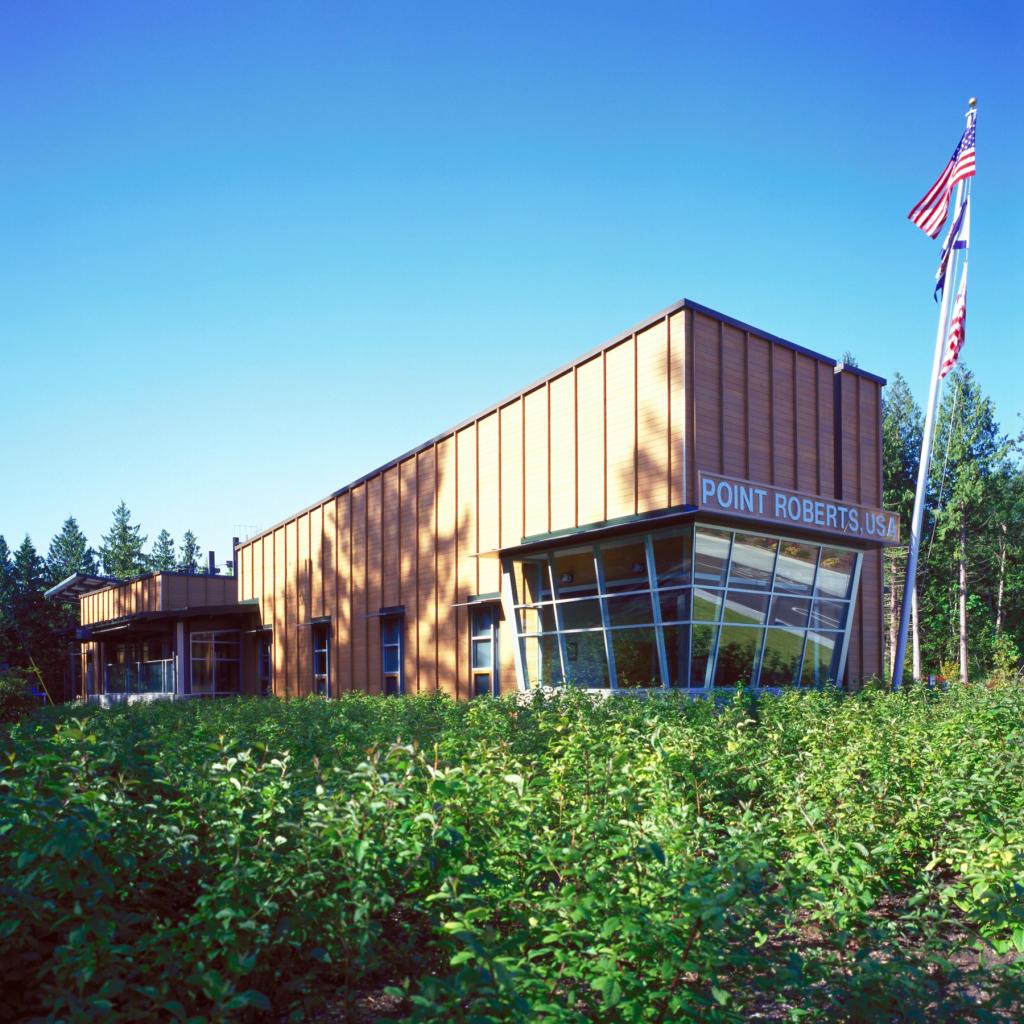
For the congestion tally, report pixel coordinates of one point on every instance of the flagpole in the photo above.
(924, 466)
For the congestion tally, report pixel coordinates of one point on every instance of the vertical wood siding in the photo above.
(623, 431)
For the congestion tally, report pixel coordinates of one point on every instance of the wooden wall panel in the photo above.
(316, 561)
(563, 452)
(409, 596)
(590, 443)
(869, 418)
(281, 645)
(295, 677)
(466, 579)
(620, 431)
(536, 497)
(304, 606)
(759, 405)
(469, 540)
(653, 454)
(510, 466)
(783, 415)
(374, 594)
(346, 630)
(391, 550)
(489, 507)
(707, 445)
(360, 655)
(808, 437)
(680, 465)
(328, 586)
(426, 624)
(447, 568)
(735, 433)
(826, 429)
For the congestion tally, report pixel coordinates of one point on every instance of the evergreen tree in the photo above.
(69, 553)
(7, 621)
(188, 558)
(162, 557)
(970, 459)
(121, 550)
(902, 426)
(37, 642)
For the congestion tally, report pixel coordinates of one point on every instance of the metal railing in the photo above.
(140, 677)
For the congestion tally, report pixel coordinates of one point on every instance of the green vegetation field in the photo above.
(804, 857)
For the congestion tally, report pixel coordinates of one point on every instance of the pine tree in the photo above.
(188, 557)
(901, 452)
(970, 454)
(162, 557)
(69, 553)
(7, 590)
(121, 550)
(37, 644)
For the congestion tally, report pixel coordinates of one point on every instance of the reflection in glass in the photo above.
(712, 557)
(482, 651)
(586, 663)
(542, 661)
(672, 559)
(795, 571)
(707, 604)
(677, 654)
(625, 566)
(753, 559)
(789, 611)
(835, 573)
(581, 614)
(741, 606)
(633, 610)
(818, 654)
(574, 572)
(675, 604)
(738, 649)
(636, 657)
(828, 614)
(781, 659)
(703, 644)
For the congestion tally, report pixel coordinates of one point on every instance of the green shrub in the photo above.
(803, 856)
(16, 698)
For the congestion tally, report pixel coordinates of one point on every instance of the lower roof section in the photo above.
(97, 630)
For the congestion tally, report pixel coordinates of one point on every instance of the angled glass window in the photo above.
(696, 606)
(483, 628)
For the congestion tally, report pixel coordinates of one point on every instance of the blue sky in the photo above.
(251, 251)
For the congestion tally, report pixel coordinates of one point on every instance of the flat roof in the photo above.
(78, 584)
(668, 311)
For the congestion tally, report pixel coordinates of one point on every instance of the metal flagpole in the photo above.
(923, 468)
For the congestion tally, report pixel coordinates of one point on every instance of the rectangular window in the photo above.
(391, 654)
(214, 662)
(265, 663)
(322, 659)
(483, 622)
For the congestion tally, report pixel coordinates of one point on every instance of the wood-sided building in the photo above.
(164, 634)
(695, 503)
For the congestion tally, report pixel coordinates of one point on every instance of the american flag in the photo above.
(955, 337)
(930, 213)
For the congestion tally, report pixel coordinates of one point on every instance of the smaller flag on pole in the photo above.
(959, 237)
(955, 335)
(930, 212)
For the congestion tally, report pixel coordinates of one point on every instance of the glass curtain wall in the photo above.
(693, 607)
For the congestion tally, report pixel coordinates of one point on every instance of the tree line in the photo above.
(968, 611)
(35, 634)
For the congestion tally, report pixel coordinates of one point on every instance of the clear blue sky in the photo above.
(240, 243)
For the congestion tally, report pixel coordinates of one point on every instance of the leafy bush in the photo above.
(805, 856)
(16, 698)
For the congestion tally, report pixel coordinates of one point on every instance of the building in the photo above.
(695, 503)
